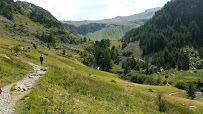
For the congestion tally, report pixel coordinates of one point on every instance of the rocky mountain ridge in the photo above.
(113, 29)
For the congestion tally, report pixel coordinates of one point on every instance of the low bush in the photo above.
(180, 85)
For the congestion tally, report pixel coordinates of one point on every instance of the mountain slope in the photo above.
(102, 29)
(179, 24)
(24, 18)
(71, 87)
(31, 7)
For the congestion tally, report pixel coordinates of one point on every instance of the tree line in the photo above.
(172, 58)
(176, 25)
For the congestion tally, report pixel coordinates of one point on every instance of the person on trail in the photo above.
(41, 59)
(0, 87)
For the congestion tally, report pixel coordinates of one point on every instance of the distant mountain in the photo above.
(113, 29)
(31, 7)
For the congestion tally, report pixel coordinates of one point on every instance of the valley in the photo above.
(111, 66)
(113, 29)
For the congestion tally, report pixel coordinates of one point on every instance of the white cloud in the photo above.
(95, 9)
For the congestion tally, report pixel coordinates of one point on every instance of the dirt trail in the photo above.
(24, 86)
(175, 92)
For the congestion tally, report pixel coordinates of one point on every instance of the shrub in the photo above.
(201, 89)
(17, 49)
(191, 91)
(35, 46)
(127, 53)
(161, 103)
(180, 85)
(134, 79)
(198, 84)
(113, 81)
(158, 81)
(64, 52)
(150, 80)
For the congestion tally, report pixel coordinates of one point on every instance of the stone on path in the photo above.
(24, 86)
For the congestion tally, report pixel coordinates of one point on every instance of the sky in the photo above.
(78, 10)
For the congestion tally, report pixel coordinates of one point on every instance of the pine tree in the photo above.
(158, 81)
(186, 62)
(179, 65)
(191, 91)
(198, 84)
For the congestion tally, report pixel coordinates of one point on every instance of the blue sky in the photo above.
(95, 9)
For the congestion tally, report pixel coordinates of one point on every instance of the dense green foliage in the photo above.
(171, 59)
(127, 53)
(45, 20)
(6, 9)
(181, 85)
(191, 91)
(177, 25)
(142, 79)
(201, 53)
(104, 55)
(132, 64)
(88, 59)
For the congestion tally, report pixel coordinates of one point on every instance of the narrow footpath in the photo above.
(8, 99)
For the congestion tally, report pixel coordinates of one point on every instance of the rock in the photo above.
(30, 76)
(150, 90)
(46, 100)
(191, 106)
(25, 89)
(21, 88)
(5, 56)
(161, 69)
(195, 71)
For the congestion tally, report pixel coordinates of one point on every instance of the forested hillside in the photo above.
(177, 25)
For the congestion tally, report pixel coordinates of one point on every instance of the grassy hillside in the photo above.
(71, 87)
(12, 69)
(112, 33)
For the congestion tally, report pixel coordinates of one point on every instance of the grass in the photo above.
(13, 69)
(71, 87)
(117, 44)
(68, 87)
(116, 68)
(184, 76)
(23, 19)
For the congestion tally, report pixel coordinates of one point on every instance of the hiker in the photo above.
(41, 59)
(0, 87)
